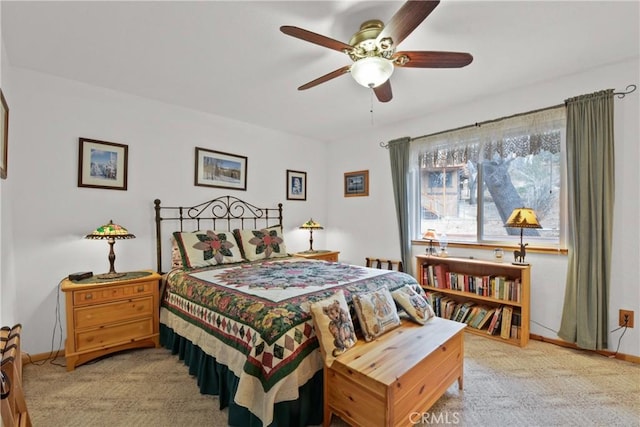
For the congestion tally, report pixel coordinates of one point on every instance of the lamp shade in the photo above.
(523, 218)
(311, 225)
(430, 234)
(110, 231)
(371, 71)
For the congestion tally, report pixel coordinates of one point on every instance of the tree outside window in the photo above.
(470, 180)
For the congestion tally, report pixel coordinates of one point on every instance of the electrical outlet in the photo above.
(625, 318)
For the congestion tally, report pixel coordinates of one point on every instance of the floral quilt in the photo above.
(259, 312)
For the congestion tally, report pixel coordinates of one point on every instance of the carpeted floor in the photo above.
(541, 385)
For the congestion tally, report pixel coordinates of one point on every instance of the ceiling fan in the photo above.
(373, 49)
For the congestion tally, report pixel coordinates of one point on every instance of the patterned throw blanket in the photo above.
(255, 318)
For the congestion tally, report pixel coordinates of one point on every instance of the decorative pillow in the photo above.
(376, 312)
(416, 306)
(333, 325)
(204, 248)
(176, 257)
(262, 244)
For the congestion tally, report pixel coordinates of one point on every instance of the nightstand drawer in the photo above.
(86, 317)
(114, 334)
(92, 296)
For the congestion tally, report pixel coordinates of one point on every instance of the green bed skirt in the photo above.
(215, 379)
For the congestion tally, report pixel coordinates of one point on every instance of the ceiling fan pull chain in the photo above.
(371, 110)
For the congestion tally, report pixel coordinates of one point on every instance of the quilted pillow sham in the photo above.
(205, 248)
(262, 244)
(376, 312)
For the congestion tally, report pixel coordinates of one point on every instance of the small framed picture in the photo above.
(4, 135)
(296, 185)
(356, 184)
(102, 164)
(222, 170)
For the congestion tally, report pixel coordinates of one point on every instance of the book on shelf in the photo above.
(476, 316)
(465, 309)
(505, 328)
(441, 275)
(516, 324)
(449, 308)
(486, 318)
(495, 321)
(473, 314)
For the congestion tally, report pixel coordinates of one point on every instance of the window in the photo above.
(469, 180)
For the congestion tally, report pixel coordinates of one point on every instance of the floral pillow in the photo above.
(176, 257)
(413, 303)
(205, 248)
(333, 326)
(376, 312)
(262, 244)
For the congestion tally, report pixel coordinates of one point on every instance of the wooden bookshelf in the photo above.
(480, 283)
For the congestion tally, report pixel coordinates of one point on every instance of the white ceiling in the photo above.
(230, 59)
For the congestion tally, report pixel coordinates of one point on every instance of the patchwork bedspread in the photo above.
(255, 318)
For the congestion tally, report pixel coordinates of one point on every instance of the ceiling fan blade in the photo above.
(406, 19)
(315, 38)
(431, 59)
(383, 92)
(326, 77)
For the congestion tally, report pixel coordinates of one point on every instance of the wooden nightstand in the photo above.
(323, 255)
(106, 316)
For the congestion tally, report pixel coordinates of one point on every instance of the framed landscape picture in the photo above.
(102, 164)
(4, 135)
(296, 185)
(356, 184)
(222, 170)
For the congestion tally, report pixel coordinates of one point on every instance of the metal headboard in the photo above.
(223, 213)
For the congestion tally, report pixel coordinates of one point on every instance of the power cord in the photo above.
(53, 355)
(625, 325)
(543, 326)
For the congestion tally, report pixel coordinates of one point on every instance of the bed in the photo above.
(240, 317)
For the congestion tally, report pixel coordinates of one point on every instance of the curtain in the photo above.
(590, 173)
(518, 135)
(399, 157)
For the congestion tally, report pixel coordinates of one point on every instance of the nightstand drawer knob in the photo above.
(88, 296)
(141, 288)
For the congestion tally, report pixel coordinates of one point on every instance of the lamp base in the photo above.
(110, 275)
(520, 263)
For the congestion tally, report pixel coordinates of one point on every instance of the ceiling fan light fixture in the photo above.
(372, 71)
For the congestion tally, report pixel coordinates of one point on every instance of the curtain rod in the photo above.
(629, 89)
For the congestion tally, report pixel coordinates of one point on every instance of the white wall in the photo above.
(365, 226)
(7, 292)
(45, 214)
(48, 215)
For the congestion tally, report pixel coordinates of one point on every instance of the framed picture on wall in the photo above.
(222, 170)
(296, 185)
(4, 135)
(356, 184)
(102, 164)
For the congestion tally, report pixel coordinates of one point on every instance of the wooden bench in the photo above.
(400, 375)
(384, 264)
(13, 407)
